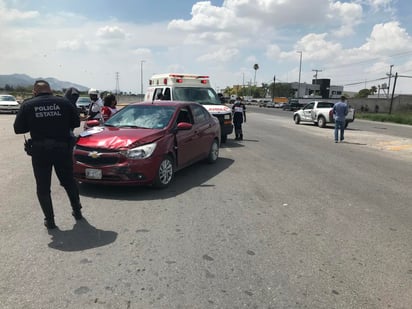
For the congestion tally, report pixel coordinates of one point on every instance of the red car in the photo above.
(146, 143)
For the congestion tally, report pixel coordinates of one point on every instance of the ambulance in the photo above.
(194, 88)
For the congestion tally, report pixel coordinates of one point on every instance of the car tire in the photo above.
(213, 152)
(296, 118)
(165, 173)
(321, 122)
(223, 138)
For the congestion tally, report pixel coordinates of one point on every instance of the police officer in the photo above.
(239, 116)
(49, 119)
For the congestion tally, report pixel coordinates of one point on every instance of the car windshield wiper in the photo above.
(131, 126)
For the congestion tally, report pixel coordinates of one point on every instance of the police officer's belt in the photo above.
(50, 142)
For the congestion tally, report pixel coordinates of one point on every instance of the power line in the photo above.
(366, 61)
(366, 81)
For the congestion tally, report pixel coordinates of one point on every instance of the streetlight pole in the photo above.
(300, 70)
(141, 76)
(389, 83)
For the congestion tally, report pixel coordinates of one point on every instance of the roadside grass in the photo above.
(402, 118)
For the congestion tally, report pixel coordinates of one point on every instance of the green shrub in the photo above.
(404, 118)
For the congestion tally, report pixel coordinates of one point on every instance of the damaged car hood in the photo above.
(118, 138)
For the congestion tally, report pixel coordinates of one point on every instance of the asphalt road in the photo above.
(284, 219)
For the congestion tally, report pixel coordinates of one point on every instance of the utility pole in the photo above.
(393, 93)
(300, 70)
(389, 82)
(316, 76)
(243, 80)
(117, 84)
(141, 76)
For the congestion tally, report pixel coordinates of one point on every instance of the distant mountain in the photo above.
(15, 80)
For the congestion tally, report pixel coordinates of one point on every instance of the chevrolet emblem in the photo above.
(94, 154)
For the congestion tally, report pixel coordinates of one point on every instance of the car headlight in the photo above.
(141, 152)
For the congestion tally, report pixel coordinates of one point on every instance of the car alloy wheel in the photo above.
(321, 122)
(165, 173)
(214, 152)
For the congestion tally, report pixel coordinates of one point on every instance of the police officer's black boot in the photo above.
(73, 194)
(237, 134)
(77, 214)
(47, 207)
(76, 206)
(241, 136)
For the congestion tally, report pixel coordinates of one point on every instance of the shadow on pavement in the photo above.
(83, 236)
(197, 175)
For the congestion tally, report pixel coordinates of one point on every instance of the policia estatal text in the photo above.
(50, 120)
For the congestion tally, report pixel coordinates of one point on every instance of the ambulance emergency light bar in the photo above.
(179, 78)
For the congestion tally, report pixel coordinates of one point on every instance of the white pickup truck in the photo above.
(320, 113)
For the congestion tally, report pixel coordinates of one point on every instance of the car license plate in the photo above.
(92, 173)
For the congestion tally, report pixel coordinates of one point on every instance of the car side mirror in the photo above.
(184, 126)
(92, 123)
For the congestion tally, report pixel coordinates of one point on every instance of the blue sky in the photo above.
(354, 43)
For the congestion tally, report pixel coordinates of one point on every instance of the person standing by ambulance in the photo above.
(239, 116)
(50, 119)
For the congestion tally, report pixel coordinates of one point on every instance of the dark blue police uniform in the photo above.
(50, 119)
(239, 115)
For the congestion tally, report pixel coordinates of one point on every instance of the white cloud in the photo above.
(12, 15)
(273, 51)
(347, 15)
(222, 54)
(377, 5)
(382, 34)
(111, 33)
(72, 45)
(206, 17)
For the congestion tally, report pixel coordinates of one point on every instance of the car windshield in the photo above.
(142, 116)
(83, 100)
(7, 98)
(199, 95)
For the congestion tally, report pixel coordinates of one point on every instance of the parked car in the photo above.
(320, 113)
(8, 103)
(292, 105)
(83, 104)
(146, 143)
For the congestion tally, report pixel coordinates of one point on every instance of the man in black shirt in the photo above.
(50, 119)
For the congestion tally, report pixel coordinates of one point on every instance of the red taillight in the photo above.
(179, 80)
(203, 81)
(165, 81)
